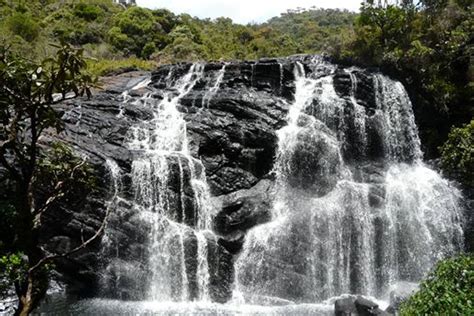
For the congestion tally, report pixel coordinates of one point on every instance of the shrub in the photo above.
(133, 29)
(457, 154)
(23, 25)
(12, 267)
(148, 50)
(87, 12)
(448, 290)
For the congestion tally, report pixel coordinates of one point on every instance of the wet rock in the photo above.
(364, 90)
(232, 243)
(366, 307)
(345, 307)
(221, 271)
(342, 83)
(244, 209)
(313, 160)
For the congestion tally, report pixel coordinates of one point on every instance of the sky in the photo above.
(244, 11)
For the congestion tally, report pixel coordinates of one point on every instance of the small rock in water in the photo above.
(345, 307)
(366, 307)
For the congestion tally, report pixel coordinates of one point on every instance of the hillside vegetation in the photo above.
(110, 31)
(427, 45)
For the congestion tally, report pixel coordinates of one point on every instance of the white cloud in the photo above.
(244, 11)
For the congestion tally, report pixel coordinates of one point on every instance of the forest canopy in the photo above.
(427, 45)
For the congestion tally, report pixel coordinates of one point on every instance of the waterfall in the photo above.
(355, 208)
(171, 199)
(210, 93)
(160, 145)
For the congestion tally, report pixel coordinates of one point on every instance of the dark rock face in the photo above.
(92, 128)
(234, 137)
(366, 307)
(244, 209)
(232, 131)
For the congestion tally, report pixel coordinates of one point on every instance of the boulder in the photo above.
(366, 307)
(345, 306)
(244, 209)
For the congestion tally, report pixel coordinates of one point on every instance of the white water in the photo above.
(171, 197)
(160, 144)
(327, 235)
(211, 92)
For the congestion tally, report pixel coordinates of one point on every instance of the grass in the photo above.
(104, 67)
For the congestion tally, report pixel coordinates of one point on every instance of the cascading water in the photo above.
(353, 208)
(213, 90)
(170, 196)
(346, 220)
(161, 144)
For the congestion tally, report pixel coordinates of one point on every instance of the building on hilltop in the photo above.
(126, 2)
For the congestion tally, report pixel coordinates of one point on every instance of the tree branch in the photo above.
(82, 246)
(57, 194)
(58, 190)
(77, 167)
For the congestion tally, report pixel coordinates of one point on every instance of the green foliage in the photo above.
(12, 270)
(59, 164)
(457, 153)
(184, 45)
(314, 30)
(87, 11)
(36, 83)
(449, 290)
(135, 28)
(105, 67)
(37, 179)
(148, 50)
(26, 96)
(166, 37)
(429, 48)
(23, 25)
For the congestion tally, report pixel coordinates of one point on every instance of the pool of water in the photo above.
(59, 305)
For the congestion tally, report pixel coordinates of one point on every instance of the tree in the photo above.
(134, 28)
(27, 97)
